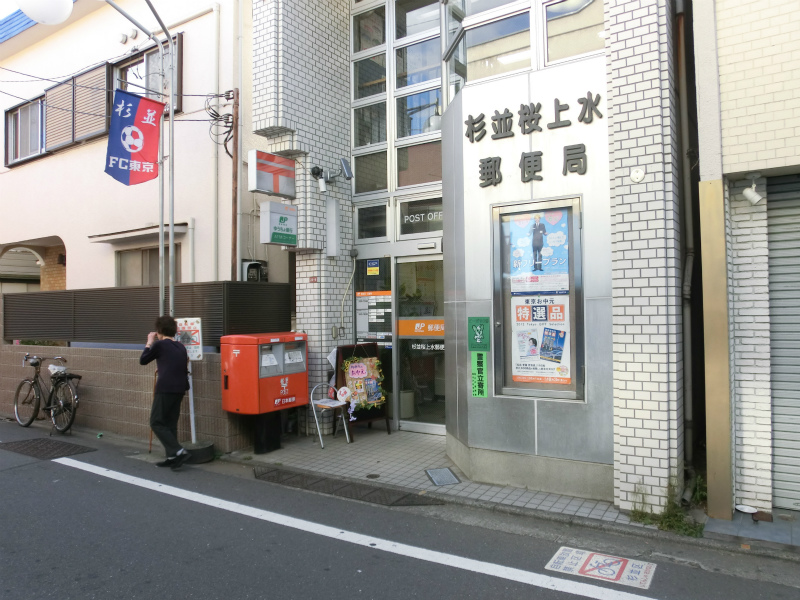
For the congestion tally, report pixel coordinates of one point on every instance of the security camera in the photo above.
(752, 196)
(346, 170)
(316, 172)
(323, 187)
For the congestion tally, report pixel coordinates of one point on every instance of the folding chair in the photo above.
(324, 404)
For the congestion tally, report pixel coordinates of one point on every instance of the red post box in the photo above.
(264, 372)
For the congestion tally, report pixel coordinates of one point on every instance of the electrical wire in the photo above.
(64, 80)
(221, 123)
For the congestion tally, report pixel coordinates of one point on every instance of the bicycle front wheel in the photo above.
(26, 402)
(65, 401)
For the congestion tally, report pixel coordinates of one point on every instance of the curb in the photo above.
(731, 544)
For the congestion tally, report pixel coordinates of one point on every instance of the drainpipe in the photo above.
(215, 171)
(239, 166)
(191, 249)
(688, 226)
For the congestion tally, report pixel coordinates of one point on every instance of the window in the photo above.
(372, 222)
(419, 113)
(24, 132)
(370, 173)
(421, 216)
(498, 47)
(369, 29)
(143, 74)
(419, 63)
(475, 6)
(140, 267)
(77, 109)
(419, 164)
(574, 27)
(415, 16)
(370, 124)
(369, 76)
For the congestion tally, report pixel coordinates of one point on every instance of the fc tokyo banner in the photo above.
(132, 155)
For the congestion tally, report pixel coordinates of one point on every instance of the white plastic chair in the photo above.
(324, 404)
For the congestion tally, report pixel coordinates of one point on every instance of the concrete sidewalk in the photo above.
(400, 460)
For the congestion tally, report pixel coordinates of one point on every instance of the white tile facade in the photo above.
(759, 79)
(301, 104)
(648, 378)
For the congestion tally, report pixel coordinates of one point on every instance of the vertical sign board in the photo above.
(278, 224)
(270, 174)
(479, 346)
(190, 334)
(478, 374)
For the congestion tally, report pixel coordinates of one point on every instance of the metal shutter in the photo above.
(783, 213)
(58, 116)
(91, 103)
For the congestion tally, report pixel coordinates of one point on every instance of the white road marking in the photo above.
(432, 556)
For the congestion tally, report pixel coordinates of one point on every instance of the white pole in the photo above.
(191, 405)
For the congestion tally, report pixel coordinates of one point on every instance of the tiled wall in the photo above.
(648, 377)
(116, 394)
(301, 105)
(759, 79)
(748, 282)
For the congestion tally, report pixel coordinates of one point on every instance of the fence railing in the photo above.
(126, 315)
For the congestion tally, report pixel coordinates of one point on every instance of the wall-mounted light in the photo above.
(750, 194)
(62, 259)
(46, 12)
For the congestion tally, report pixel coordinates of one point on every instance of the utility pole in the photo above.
(235, 170)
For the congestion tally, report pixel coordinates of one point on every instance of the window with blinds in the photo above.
(77, 109)
(24, 132)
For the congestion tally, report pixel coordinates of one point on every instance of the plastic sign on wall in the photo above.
(190, 334)
(278, 224)
(270, 174)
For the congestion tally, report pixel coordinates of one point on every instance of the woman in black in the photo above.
(538, 232)
(172, 367)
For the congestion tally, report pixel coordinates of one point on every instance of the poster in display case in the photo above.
(538, 299)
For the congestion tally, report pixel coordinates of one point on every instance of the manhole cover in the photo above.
(45, 448)
(442, 476)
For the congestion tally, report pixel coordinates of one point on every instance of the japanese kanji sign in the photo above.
(478, 374)
(574, 158)
(133, 136)
(270, 174)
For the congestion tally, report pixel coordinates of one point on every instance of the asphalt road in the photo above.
(104, 525)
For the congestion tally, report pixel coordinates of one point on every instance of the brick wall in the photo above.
(750, 346)
(53, 275)
(116, 395)
(301, 104)
(759, 78)
(648, 399)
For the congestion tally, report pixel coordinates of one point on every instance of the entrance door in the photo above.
(419, 386)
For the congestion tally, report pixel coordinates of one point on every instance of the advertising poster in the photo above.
(539, 252)
(540, 339)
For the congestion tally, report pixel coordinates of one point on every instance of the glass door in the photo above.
(419, 390)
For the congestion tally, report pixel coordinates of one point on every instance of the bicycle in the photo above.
(62, 395)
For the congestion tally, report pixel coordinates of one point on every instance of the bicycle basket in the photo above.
(54, 369)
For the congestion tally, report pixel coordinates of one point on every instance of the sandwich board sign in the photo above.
(278, 224)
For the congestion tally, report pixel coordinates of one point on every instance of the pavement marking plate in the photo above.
(624, 571)
(442, 476)
(45, 448)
